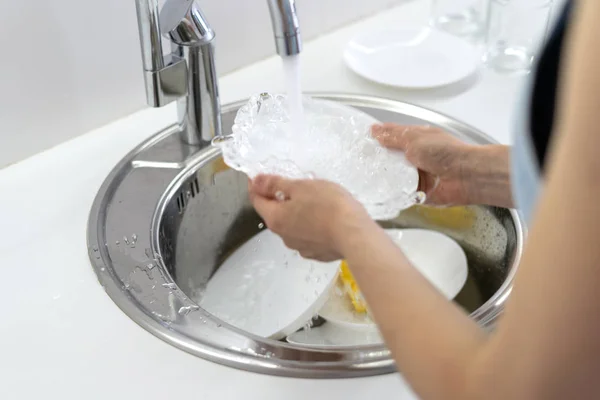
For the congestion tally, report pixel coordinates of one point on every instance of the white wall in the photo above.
(69, 66)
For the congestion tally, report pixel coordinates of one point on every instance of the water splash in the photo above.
(335, 145)
(171, 286)
(185, 310)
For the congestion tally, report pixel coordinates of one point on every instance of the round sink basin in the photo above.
(169, 214)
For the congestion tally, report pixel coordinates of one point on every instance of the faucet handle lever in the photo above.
(183, 22)
(165, 76)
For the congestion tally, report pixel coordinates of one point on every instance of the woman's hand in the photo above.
(438, 156)
(451, 172)
(314, 217)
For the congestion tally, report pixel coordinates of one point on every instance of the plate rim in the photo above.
(476, 65)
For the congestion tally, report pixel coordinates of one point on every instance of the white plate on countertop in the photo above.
(415, 58)
(267, 289)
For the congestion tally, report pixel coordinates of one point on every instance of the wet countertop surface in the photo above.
(62, 337)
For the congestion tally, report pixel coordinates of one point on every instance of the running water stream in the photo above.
(293, 90)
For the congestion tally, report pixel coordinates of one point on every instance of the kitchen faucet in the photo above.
(187, 73)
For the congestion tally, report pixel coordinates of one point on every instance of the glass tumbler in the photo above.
(516, 31)
(464, 18)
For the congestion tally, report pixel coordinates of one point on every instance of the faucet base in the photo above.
(200, 111)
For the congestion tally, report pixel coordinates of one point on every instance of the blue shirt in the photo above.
(535, 121)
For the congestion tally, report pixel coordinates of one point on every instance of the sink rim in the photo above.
(375, 360)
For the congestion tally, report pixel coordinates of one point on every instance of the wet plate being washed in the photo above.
(267, 289)
(326, 140)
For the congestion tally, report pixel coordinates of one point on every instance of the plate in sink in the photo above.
(267, 289)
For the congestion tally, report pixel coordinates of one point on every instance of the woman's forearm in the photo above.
(486, 172)
(431, 339)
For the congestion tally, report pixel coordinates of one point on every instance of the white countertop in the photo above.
(62, 337)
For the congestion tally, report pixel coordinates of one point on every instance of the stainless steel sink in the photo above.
(169, 214)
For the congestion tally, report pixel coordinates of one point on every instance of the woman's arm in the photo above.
(547, 344)
(431, 339)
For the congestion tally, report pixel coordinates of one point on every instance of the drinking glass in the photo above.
(464, 18)
(516, 31)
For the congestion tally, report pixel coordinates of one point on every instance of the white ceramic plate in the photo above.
(411, 57)
(438, 257)
(339, 312)
(267, 289)
(329, 335)
(335, 145)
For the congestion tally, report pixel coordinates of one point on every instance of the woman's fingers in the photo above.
(396, 136)
(264, 207)
(271, 187)
(267, 194)
(391, 137)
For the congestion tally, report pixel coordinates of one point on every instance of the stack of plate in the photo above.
(271, 291)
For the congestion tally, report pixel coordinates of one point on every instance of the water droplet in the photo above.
(117, 242)
(185, 310)
(95, 248)
(261, 225)
(172, 286)
(125, 239)
(420, 197)
(150, 266)
(279, 195)
(102, 269)
(134, 238)
(221, 139)
(308, 325)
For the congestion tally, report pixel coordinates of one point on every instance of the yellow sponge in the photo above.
(448, 217)
(351, 288)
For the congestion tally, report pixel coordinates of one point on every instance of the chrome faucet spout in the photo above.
(187, 74)
(286, 27)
